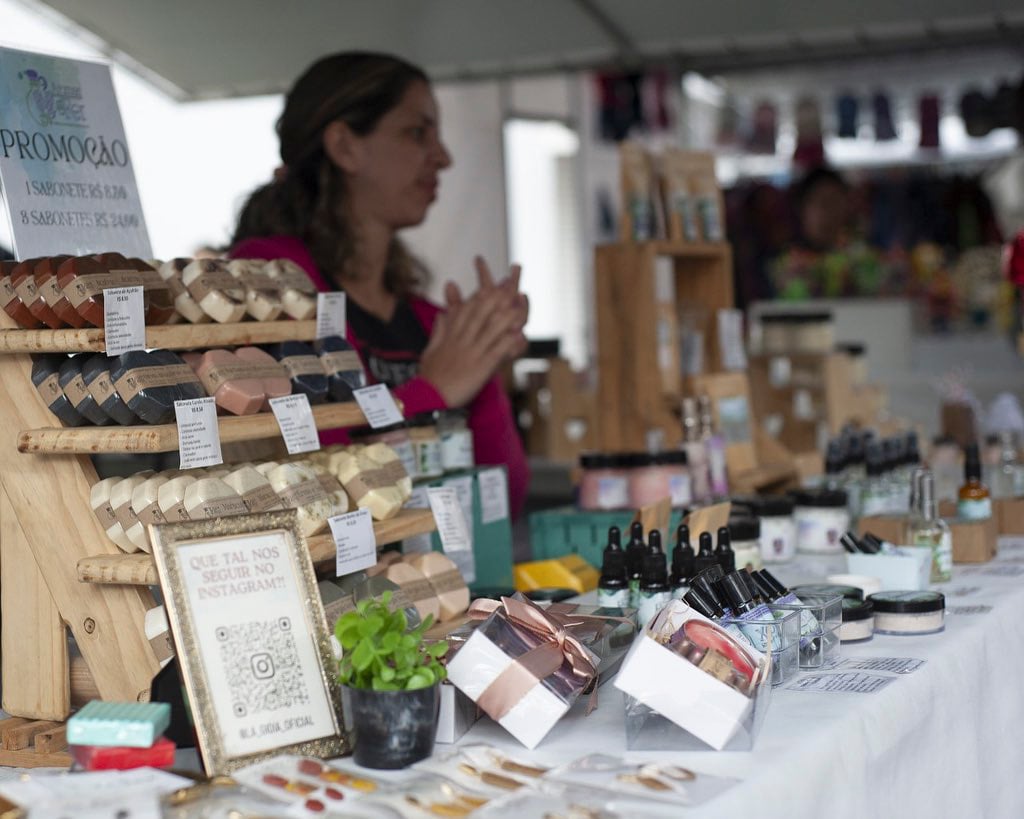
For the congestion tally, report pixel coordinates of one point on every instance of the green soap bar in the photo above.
(119, 724)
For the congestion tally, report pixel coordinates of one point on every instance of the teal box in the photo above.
(492, 542)
(567, 530)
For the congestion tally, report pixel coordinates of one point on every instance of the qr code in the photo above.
(262, 666)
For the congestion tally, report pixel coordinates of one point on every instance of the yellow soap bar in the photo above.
(566, 572)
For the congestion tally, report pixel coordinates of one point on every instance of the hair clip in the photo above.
(496, 780)
(512, 766)
(290, 785)
(646, 780)
(452, 809)
(313, 767)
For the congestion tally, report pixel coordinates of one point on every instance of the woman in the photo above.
(361, 152)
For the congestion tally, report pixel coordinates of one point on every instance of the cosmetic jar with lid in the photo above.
(647, 483)
(858, 361)
(778, 527)
(858, 621)
(456, 439)
(395, 436)
(867, 584)
(821, 518)
(829, 590)
(909, 612)
(426, 445)
(604, 481)
(674, 465)
(745, 534)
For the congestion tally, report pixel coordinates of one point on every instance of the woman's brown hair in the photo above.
(306, 197)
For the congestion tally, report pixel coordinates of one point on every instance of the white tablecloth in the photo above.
(946, 740)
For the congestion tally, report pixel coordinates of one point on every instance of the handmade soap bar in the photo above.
(212, 498)
(150, 383)
(171, 497)
(96, 375)
(255, 490)
(186, 306)
(446, 581)
(11, 302)
(221, 296)
(276, 382)
(392, 467)
(121, 502)
(146, 506)
(98, 758)
(231, 382)
(84, 278)
(69, 376)
(416, 587)
(342, 366)
(160, 308)
(262, 293)
(112, 724)
(99, 500)
(46, 377)
(303, 368)
(298, 293)
(298, 487)
(332, 486)
(48, 287)
(24, 281)
(367, 484)
(266, 468)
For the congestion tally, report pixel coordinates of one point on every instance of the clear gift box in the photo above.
(820, 643)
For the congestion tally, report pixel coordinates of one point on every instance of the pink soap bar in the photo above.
(102, 758)
(233, 382)
(276, 382)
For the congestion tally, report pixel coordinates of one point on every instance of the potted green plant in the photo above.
(390, 676)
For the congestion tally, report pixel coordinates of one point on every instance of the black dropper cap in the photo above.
(684, 561)
(752, 587)
(613, 563)
(893, 448)
(655, 573)
(855, 449)
(911, 451)
(875, 459)
(704, 582)
(703, 603)
(767, 592)
(706, 556)
(972, 463)
(635, 550)
(737, 593)
(726, 556)
(773, 581)
(834, 458)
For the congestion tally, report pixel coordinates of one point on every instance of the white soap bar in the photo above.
(255, 490)
(332, 486)
(416, 587)
(367, 484)
(446, 580)
(99, 499)
(298, 293)
(262, 293)
(299, 489)
(392, 465)
(266, 468)
(146, 506)
(212, 498)
(121, 503)
(171, 497)
(170, 272)
(215, 290)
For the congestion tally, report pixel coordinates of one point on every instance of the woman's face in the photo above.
(392, 177)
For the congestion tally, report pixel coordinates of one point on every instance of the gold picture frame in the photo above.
(237, 583)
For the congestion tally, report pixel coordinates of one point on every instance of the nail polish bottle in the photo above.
(654, 591)
(613, 587)
(684, 563)
(635, 551)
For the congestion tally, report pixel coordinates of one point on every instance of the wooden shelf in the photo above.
(140, 570)
(164, 337)
(164, 437)
(681, 250)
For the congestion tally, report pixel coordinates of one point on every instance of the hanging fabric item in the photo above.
(846, 114)
(976, 112)
(765, 130)
(621, 105)
(810, 150)
(885, 131)
(929, 111)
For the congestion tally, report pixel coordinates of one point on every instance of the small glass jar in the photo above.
(745, 536)
(604, 481)
(658, 476)
(456, 440)
(909, 612)
(821, 519)
(395, 436)
(778, 528)
(426, 445)
(815, 333)
(858, 621)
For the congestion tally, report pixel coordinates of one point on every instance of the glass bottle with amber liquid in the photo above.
(975, 502)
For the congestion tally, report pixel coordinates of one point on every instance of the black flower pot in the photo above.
(391, 729)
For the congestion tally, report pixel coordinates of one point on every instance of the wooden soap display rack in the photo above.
(59, 570)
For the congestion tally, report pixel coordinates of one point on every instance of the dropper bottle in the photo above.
(654, 591)
(684, 563)
(635, 551)
(706, 555)
(613, 587)
(726, 556)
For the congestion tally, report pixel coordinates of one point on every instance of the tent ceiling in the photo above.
(203, 49)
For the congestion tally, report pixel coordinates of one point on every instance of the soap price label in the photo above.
(493, 495)
(969, 610)
(378, 406)
(198, 433)
(354, 541)
(845, 683)
(298, 427)
(418, 543)
(124, 320)
(453, 528)
(330, 315)
(894, 665)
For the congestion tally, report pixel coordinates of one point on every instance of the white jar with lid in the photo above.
(456, 440)
(778, 528)
(745, 537)
(821, 519)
